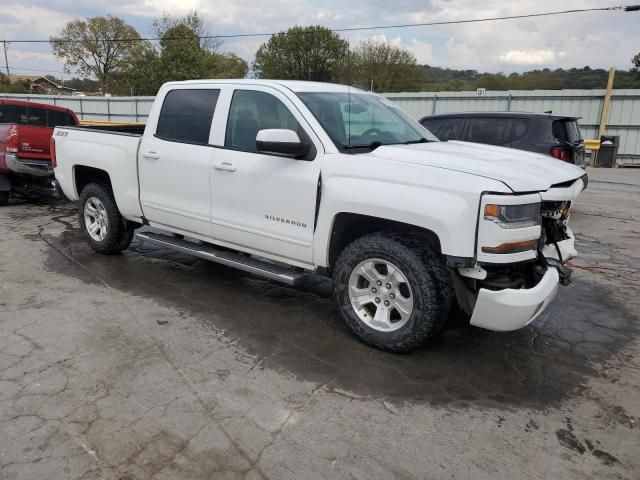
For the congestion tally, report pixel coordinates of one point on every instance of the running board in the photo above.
(231, 259)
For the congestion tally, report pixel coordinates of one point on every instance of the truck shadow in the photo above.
(299, 331)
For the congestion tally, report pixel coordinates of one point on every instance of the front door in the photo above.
(265, 202)
(175, 163)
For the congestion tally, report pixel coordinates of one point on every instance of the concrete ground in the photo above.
(153, 365)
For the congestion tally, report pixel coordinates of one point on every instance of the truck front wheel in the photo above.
(393, 291)
(102, 224)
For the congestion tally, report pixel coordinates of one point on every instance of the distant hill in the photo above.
(445, 79)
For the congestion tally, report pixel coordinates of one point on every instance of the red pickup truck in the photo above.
(25, 134)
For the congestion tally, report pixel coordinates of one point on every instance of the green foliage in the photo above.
(20, 86)
(381, 67)
(97, 46)
(439, 79)
(301, 53)
(182, 55)
(636, 62)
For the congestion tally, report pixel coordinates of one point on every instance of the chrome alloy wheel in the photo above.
(95, 219)
(380, 295)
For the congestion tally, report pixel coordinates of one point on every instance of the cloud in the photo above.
(595, 39)
(529, 57)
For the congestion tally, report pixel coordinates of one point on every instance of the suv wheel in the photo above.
(105, 229)
(392, 291)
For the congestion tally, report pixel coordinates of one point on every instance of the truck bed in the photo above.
(113, 149)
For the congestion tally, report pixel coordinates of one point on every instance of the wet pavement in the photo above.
(153, 364)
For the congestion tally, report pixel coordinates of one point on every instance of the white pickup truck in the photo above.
(280, 177)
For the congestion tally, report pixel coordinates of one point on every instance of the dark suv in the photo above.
(555, 135)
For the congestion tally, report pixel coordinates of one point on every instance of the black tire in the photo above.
(119, 232)
(426, 274)
(4, 198)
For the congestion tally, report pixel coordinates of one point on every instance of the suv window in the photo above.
(492, 131)
(186, 116)
(519, 129)
(59, 119)
(567, 130)
(252, 111)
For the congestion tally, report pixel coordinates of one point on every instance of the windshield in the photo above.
(360, 121)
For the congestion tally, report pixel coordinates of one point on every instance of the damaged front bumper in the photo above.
(510, 308)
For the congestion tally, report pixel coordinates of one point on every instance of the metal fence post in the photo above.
(108, 109)
(435, 101)
(509, 102)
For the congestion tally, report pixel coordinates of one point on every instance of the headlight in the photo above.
(513, 216)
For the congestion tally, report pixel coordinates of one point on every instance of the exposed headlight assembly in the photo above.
(513, 216)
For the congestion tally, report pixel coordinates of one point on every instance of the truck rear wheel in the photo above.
(102, 224)
(393, 291)
(4, 198)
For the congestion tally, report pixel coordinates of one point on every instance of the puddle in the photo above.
(299, 331)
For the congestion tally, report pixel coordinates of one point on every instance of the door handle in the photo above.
(226, 166)
(151, 155)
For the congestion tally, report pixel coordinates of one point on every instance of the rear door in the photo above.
(175, 162)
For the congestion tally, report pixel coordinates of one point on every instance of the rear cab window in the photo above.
(186, 115)
(56, 118)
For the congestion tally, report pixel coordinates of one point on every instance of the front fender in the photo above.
(450, 214)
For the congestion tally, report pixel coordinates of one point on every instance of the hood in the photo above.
(521, 171)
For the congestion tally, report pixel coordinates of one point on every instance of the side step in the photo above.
(248, 264)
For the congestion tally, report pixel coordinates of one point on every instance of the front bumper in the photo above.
(511, 309)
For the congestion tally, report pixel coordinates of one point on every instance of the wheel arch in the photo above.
(83, 175)
(347, 226)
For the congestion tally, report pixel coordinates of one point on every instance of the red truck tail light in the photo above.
(52, 152)
(13, 144)
(561, 153)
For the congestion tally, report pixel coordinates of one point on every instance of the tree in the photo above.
(381, 67)
(182, 54)
(301, 53)
(99, 46)
(636, 62)
(194, 22)
(227, 65)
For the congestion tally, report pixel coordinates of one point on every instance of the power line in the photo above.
(625, 8)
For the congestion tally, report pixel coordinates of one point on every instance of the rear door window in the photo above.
(186, 116)
(489, 130)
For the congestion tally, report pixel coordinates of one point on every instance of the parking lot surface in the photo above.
(155, 365)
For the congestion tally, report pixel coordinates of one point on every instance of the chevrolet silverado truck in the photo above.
(25, 134)
(278, 178)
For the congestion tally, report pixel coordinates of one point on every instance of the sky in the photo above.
(600, 39)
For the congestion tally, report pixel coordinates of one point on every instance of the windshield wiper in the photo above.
(421, 140)
(371, 146)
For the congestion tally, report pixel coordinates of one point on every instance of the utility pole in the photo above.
(6, 60)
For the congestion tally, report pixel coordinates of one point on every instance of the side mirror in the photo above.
(281, 142)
